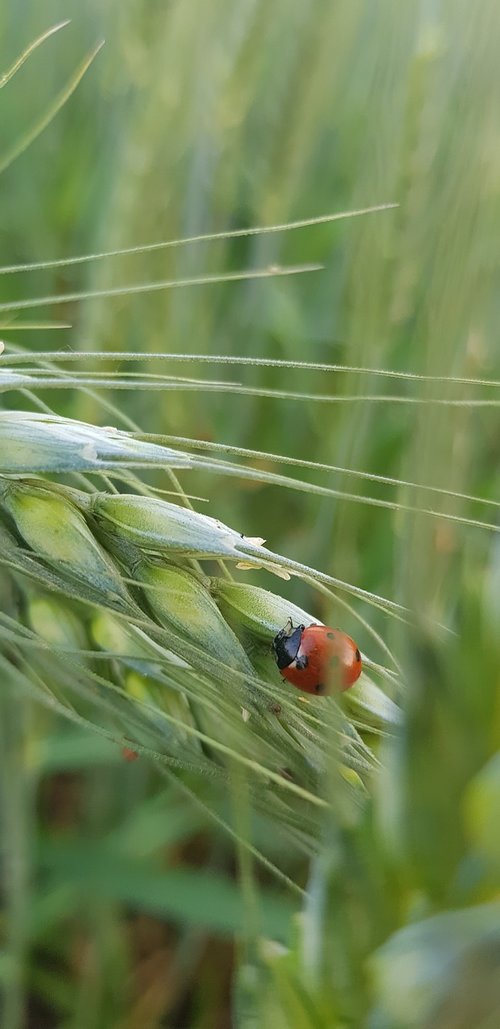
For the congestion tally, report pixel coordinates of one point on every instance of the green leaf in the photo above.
(442, 972)
(481, 809)
(192, 897)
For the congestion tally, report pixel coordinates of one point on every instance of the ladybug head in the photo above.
(286, 644)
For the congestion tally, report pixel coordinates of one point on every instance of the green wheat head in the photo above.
(116, 618)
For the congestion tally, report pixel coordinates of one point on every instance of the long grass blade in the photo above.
(38, 127)
(261, 455)
(128, 381)
(207, 237)
(18, 63)
(152, 287)
(65, 356)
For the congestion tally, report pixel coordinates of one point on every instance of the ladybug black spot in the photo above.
(302, 662)
(358, 655)
(320, 687)
(331, 635)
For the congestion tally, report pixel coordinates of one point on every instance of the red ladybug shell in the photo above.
(317, 659)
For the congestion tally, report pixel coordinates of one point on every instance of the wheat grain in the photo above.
(184, 664)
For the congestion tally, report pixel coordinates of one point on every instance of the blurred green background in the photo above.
(200, 117)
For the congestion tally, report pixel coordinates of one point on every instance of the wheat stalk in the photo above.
(123, 625)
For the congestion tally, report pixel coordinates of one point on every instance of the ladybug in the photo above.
(317, 659)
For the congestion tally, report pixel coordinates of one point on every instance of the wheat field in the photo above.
(249, 372)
